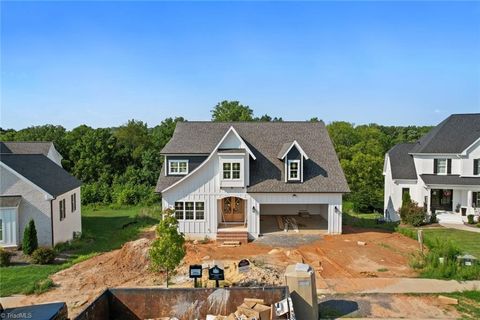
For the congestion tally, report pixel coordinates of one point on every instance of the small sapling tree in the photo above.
(168, 249)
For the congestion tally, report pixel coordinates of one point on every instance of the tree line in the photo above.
(121, 165)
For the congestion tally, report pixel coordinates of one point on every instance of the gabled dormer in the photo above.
(234, 160)
(293, 157)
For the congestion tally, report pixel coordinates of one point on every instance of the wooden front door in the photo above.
(233, 209)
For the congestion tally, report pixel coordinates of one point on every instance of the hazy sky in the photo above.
(102, 63)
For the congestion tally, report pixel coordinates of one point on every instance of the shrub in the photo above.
(30, 241)
(43, 256)
(470, 219)
(412, 214)
(5, 257)
(433, 218)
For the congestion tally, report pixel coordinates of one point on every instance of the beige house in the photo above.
(33, 185)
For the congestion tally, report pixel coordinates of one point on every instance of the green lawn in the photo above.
(104, 229)
(364, 220)
(466, 241)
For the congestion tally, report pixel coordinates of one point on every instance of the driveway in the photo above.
(463, 227)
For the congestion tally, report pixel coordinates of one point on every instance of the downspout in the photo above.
(51, 219)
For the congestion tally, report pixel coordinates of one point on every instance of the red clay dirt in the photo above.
(332, 257)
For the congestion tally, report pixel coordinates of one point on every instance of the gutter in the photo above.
(51, 220)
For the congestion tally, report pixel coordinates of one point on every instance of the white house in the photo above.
(33, 185)
(441, 171)
(218, 176)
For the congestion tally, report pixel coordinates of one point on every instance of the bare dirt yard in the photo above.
(384, 255)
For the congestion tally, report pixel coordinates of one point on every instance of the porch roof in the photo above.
(450, 179)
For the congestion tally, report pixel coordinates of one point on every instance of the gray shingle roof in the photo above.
(450, 179)
(265, 139)
(41, 171)
(452, 135)
(10, 201)
(401, 162)
(20, 147)
(284, 149)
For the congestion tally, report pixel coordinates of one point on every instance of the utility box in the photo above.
(300, 279)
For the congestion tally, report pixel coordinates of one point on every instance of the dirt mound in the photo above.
(83, 282)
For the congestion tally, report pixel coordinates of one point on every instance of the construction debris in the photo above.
(250, 309)
(447, 300)
(361, 243)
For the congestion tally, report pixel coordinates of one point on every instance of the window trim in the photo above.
(73, 202)
(178, 161)
(194, 210)
(289, 173)
(438, 166)
(231, 170)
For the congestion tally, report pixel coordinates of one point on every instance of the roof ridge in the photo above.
(257, 122)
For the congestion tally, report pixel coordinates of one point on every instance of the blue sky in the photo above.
(102, 63)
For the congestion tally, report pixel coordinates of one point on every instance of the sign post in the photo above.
(217, 274)
(420, 239)
(195, 273)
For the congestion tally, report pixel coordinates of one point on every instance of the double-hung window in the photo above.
(293, 170)
(476, 167)
(178, 167)
(199, 210)
(189, 210)
(441, 166)
(61, 207)
(73, 202)
(231, 170)
(179, 210)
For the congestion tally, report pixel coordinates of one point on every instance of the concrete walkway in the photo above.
(393, 285)
(463, 227)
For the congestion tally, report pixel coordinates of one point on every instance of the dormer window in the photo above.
(178, 167)
(294, 170)
(231, 170)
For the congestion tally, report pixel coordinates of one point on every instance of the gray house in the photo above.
(236, 177)
(33, 185)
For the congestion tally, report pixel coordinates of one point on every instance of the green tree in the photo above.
(231, 111)
(168, 249)
(30, 241)
(132, 140)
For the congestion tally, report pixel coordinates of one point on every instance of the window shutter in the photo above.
(474, 199)
(435, 165)
(475, 166)
(449, 166)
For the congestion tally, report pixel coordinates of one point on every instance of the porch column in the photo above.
(469, 198)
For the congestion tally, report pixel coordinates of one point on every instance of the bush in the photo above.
(433, 218)
(43, 256)
(134, 194)
(470, 219)
(412, 214)
(30, 241)
(5, 257)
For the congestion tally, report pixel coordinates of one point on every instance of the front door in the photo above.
(233, 209)
(441, 199)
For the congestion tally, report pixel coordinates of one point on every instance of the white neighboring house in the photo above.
(441, 171)
(236, 176)
(33, 185)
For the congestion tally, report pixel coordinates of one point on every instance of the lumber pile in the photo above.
(250, 309)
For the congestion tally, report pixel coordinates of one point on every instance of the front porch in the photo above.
(454, 205)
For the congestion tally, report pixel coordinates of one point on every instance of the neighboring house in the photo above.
(33, 185)
(441, 171)
(217, 175)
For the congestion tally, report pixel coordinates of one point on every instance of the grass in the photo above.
(104, 229)
(446, 244)
(468, 303)
(364, 220)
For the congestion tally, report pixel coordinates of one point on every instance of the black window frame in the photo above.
(73, 202)
(62, 208)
